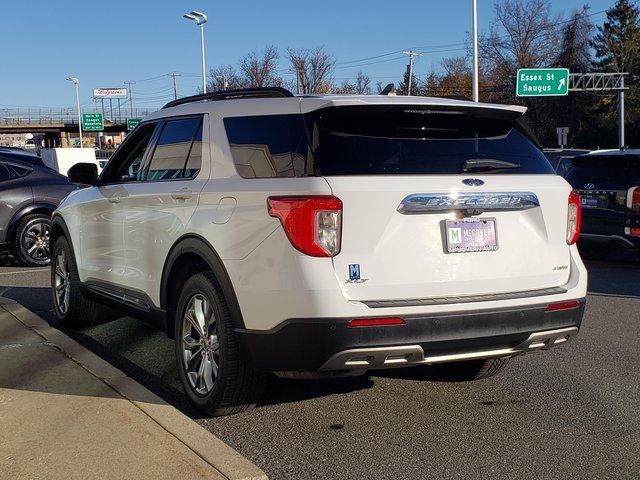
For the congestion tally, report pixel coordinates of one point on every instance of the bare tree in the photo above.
(345, 88)
(524, 34)
(223, 77)
(363, 84)
(261, 71)
(313, 69)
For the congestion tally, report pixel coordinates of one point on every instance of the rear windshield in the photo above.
(597, 169)
(404, 140)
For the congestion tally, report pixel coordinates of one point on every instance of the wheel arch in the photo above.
(59, 229)
(189, 255)
(31, 209)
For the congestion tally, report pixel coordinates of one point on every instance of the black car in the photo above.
(608, 182)
(29, 193)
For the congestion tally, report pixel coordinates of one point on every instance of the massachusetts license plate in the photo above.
(471, 235)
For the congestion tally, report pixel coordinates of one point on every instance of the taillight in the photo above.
(313, 223)
(574, 218)
(633, 198)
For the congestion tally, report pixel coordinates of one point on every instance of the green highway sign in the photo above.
(92, 122)
(132, 123)
(542, 82)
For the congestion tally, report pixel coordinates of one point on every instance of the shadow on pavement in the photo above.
(617, 274)
(147, 355)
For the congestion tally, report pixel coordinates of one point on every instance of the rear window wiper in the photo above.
(484, 164)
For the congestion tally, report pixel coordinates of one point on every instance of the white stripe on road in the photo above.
(26, 271)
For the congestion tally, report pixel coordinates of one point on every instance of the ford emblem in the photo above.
(473, 182)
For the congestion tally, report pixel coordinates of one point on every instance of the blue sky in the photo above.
(105, 44)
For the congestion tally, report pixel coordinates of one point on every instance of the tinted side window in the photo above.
(172, 153)
(5, 173)
(194, 162)
(19, 171)
(267, 146)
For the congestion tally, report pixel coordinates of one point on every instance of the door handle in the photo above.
(114, 199)
(182, 194)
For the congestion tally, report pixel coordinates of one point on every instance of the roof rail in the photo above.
(268, 92)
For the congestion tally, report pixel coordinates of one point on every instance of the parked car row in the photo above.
(608, 182)
(29, 193)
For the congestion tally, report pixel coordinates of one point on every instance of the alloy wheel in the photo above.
(35, 240)
(200, 346)
(61, 282)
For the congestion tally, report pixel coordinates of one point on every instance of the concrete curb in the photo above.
(203, 443)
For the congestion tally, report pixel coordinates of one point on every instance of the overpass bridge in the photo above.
(58, 125)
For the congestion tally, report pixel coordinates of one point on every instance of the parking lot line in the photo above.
(25, 271)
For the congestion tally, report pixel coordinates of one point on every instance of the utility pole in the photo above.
(411, 54)
(621, 114)
(474, 29)
(225, 82)
(175, 90)
(130, 95)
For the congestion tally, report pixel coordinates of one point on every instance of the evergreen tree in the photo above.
(617, 49)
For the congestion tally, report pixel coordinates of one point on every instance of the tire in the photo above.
(72, 308)
(468, 370)
(214, 376)
(31, 242)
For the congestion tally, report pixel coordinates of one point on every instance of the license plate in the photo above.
(589, 202)
(471, 235)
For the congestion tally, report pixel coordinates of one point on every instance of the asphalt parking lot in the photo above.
(573, 412)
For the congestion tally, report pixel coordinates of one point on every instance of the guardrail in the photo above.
(56, 116)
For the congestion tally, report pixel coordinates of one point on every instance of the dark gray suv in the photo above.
(29, 193)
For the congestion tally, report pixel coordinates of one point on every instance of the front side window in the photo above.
(126, 162)
(178, 153)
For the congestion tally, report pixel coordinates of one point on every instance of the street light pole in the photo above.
(200, 19)
(474, 29)
(76, 82)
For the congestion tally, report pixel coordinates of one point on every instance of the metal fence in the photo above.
(57, 116)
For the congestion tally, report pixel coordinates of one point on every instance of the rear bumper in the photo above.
(329, 344)
(610, 240)
(609, 227)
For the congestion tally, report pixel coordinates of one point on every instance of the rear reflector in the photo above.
(555, 307)
(634, 232)
(376, 322)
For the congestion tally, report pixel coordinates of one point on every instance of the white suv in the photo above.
(268, 232)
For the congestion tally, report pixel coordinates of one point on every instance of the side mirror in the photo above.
(83, 173)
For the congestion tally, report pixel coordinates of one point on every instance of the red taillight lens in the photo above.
(574, 218)
(633, 199)
(634, 232)
(313, 223)
(376, 322)
(555, 307)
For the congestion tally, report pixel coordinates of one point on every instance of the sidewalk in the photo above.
(67, 414)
